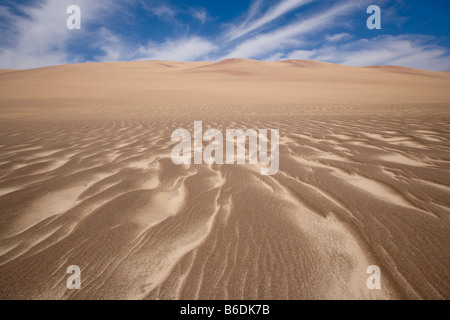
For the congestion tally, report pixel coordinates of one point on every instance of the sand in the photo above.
(86, 179)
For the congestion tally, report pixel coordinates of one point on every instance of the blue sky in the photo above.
(33, 33)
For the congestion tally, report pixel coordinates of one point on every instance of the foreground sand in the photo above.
(86, 179)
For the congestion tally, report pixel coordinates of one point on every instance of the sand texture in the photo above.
(86, 178)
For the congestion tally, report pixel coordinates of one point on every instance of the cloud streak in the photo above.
(184, 49)
(406, 50)
(291, 35)
(272, 14)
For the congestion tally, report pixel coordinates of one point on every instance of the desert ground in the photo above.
(86, 179)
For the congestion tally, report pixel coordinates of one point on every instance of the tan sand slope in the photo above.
(86, 179)
(237, 81)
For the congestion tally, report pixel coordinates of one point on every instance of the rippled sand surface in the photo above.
(86, 179)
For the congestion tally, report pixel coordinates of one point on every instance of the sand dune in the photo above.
(86, 179)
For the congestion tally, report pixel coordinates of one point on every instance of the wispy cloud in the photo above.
(112, 47)
(339, 37)
(272, 14)
(201, 14)
(253, 11)
(407, 50)
(184, 49)
(180, 49)
(39, 36)
(162, 11)
(167, 12)
(264, 44)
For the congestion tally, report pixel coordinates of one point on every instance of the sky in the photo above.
(414, 33)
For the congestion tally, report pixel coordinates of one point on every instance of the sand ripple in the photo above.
(106, 196)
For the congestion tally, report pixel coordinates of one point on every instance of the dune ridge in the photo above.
(86, 179)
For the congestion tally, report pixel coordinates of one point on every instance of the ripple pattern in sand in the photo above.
(106, 196)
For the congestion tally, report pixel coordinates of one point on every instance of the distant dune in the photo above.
(232, 80)
(86, 179)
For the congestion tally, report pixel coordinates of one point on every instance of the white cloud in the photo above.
(163, 12)
(199, 14)
(170, 13)
(299, 55)
(184, 49)
(39, 37)
(289, 36)
(412, 51)
(113, 47)
(272, 14)
(338, 37)
(294, 55)
(253, 11)
(406, 50)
